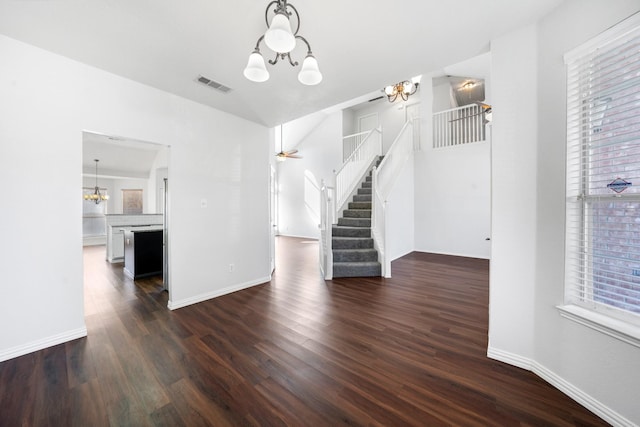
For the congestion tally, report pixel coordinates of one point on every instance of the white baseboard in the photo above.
(510, 358)
(463, 255)
(174, 305)
(592, 404)
(94, 241)
(298, 236)
(21, 350)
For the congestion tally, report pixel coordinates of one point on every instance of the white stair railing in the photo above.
(327, 210)
(355, 166)
(383, 179)
(351, 142)
(461, 125)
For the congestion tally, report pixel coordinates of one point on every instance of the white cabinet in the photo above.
(117, 245)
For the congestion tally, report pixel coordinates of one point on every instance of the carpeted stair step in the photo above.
(351, 243)
(362, 198)
(355, 255)
(359, 205)
(364, 190)
(366, 184)
(356, 269)
(342, 231)
(356, 213)
(355, 222)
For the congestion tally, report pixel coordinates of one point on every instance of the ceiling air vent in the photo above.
(213, 84)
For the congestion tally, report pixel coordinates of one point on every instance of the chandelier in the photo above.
(96, 197)
(282, 40)
(403, 89)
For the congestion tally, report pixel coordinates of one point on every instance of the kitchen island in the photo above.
(142, 251)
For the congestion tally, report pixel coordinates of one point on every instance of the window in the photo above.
(93, 220)
(131, 202)
(603, 175)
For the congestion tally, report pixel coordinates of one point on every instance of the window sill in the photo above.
(601, 323)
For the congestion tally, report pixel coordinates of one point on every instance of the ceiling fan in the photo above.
(284, 155)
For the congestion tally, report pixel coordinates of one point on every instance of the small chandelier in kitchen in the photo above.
(282, 40)
(96, 197)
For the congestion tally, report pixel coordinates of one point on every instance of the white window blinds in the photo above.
(603, 173)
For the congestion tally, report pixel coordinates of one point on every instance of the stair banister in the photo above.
(327, 210)
(378, 229)
(394, 159)
(383, 179)
(351, 142)
(355, 166)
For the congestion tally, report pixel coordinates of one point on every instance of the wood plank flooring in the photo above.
(297, 351)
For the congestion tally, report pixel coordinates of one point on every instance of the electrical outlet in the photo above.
(231, 268)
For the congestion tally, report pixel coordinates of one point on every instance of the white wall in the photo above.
(41, 134)
(321, 152)
(399, 213)
(453, 200)
(527, 270)
(512, 273)
(391, 116)
(452, 189)
(348, 122)
(443, 98)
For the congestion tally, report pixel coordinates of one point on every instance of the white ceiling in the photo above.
(361, 45)
(118, 157)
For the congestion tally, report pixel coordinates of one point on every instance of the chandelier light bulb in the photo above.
(407, 87)
(390, 90)
(279, 36)
(310, 73)
(256, 71)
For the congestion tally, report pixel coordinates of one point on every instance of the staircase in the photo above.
(353, 251)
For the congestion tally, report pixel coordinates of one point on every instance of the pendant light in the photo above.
(96, 197)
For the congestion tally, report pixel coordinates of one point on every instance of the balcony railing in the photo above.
(462, 125)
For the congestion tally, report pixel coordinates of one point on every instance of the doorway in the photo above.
(127, 167)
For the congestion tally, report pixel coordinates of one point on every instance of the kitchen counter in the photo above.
(115, 234)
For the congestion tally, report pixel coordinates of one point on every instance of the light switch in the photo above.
(203, 203)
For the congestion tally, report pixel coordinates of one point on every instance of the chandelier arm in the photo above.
(293, 64)
(307, 43)
(274, 61)
(266, 12)
(297, 15)
(257, 48)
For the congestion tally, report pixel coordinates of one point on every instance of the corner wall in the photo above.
(514, 186)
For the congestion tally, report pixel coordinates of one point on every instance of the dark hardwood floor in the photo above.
(297, 351)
